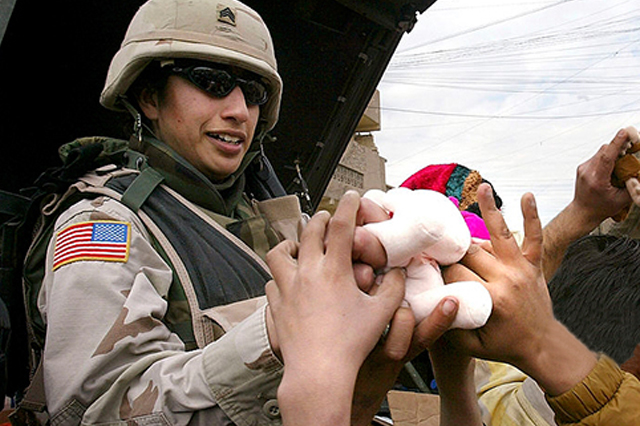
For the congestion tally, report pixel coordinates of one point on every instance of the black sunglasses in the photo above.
(220, 83)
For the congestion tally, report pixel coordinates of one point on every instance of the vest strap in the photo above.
(140, 189)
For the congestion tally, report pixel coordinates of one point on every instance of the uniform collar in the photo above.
(220, 197)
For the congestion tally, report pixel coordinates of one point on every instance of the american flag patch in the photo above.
(99, 240)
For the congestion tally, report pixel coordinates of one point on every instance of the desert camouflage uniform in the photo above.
(111, 356)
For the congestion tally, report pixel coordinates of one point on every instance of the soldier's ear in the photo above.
(148, 102)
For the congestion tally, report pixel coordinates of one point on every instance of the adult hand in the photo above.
(368, 253)
(325, 325)
(402, 343)
(404, 340)
(594, 200)
(594, 196)
(512, 277)
(522, 329)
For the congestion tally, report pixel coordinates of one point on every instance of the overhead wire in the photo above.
(526, 54)
(559, 27)
(505, 47)
(513, 117)
(465, 54)
(491, 24)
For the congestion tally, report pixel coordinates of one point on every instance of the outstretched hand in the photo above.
(595, 197)
(515, 281)
(327, 321)
(594, 200)
(522, 329)
(404, 339)
(325, 325)
(403, 342)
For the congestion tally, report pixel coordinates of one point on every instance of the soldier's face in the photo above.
(212, 133)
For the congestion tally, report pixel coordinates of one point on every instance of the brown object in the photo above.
(632, 365)
(414, 409)
(4, 416)
(626, 167)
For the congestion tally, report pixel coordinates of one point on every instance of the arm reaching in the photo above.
(595, 199)
(337, 369)
(325, 325)
(522, 329)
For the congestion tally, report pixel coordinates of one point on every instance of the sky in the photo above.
(522, 91)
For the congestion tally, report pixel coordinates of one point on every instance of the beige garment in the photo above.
(115, 362)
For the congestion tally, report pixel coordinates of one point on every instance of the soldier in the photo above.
(153, 294)
(133, 299)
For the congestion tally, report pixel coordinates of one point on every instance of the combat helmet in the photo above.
(220, 31)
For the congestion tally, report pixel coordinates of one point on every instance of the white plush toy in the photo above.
(426, 230)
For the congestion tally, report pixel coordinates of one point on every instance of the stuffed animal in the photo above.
(626, 172)
(427, 230)
(474, 222)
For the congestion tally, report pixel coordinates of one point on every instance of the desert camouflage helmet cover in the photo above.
(226, 32)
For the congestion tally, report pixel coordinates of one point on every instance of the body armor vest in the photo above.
(213, 267)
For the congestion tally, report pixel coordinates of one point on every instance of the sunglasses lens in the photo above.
(220, 83)
(254, 92)
(217, 82)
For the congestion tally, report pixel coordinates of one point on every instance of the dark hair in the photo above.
(153, 78)
(475, 208)
(596, 294)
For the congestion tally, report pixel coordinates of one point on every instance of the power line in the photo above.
(509, 117)
(401, 53)
(496, 116)
(490, 24)
(485, 6)
(507, 66)
(506, 47)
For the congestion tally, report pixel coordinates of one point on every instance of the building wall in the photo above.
(361, 167)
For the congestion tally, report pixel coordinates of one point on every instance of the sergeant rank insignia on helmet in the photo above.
(226, 15)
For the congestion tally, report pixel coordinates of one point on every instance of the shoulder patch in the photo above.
(103, 240)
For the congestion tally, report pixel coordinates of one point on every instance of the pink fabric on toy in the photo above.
(474, 222)
(476, 225)
(428, 230)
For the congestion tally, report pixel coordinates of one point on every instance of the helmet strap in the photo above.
(137, 118)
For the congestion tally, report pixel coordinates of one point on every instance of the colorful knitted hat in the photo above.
(453, 180)
(460, 184)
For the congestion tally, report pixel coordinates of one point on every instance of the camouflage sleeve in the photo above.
(109, 358)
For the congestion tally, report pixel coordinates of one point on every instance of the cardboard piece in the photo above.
(414, 409)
